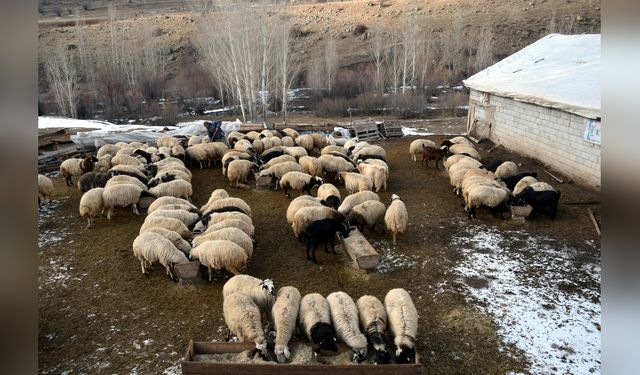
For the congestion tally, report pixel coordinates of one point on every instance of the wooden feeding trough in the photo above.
(264, 182)
(187, 273)
(196, 361)
(364, 256)
(520, 212)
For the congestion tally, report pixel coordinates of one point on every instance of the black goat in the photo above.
(324, 231)
(512, 181)
(547, 199)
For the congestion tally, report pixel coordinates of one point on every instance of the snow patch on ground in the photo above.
(390, 258)
(542, 298)
(45, 214)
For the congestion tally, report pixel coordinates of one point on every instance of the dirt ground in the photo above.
(99, 314)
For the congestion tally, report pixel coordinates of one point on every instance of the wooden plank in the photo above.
(554, 177)
(593, 219)
(581, 203)
(365, 257)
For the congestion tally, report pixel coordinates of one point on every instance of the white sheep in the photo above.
(460, 141)
(167, 141)
(172, 236)
(453, 159)
(457, 173)
(123, 159)
(287, 141)
(367, 214)
(402, 318)
(333, 148)
(230, 234)
(91, 204)
(296, 152)
(326, 190)
(278, 160)
(278, 170)
(107, 149)
(228, 204)
(166, 223)
(298, 181)
(221, 254)
(344, 317)
(290, 132)
(333, 164)
(232, 223)
(307, 215)
(198, 153)
(188, 218)
(311, 165)
(121, 195)
(238, 171)
(103, 164)
(151, 247)
(319, 140)
(355, 182)
(371, 151)
(464, 149)
(261, 292)
(129, 170)
(376, 173)
(541, 186)
(396, 217)
(355, 199)
(215, 195)
(125, 179)
(314, 318)
(506, 169)
(523, 183)
(168, 200)
(415, 148)
(244, 145)
(380, 163)
(285, 315)
(258, 146)
(484, 195)
(301, 202)
(194, 139)
(45, 189)
(305, 141)
(243, 318)
(373, 322)
(217, 217)
(176, 188)
(76, 167)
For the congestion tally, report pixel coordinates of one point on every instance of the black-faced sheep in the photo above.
(330, 195)
(402, 317)
(299, 203)
(323, 231)
(305, 141)
(76, 167)
(314, 318)
(238, 171)
(285, 315)
(483, 195)
(355, 199)
(230, 234)
(243, 318)
(151, 247)
(45, 189)
(299, 181)
(129, 170)
(261, 292)
(373, 322)
(344, 317)
(396, 218)
(512, 181)
(162, 201)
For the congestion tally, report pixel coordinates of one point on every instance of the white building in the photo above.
(544, 102)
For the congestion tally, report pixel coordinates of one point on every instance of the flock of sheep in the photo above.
(494, 185)
(250, 304)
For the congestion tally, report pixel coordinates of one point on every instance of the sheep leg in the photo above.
(286, 192)
(144, 270)
(308, 247)
(109, 212)
(333, 249)
(394, 238)
(209, 268)
(88, 222)
(135, 209)
(313, 254)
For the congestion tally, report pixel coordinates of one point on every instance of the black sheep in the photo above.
(268, 155)
(511, 181)
(324, 231)
(546, 199)
(493, 165)
(92, 180)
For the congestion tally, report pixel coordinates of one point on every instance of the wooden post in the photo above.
(593, 219)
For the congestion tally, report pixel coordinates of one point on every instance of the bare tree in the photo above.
(409, 49)
(484, 53)
(451, 44)
(377, 49)
(62, 75)
(395, 65)
(315, 72)
(331, 60)
(288, 62)
(425, 59)
(553, 24)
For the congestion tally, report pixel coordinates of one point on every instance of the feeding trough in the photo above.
(364, 256)
(205, 358)
(520, 212)
(187, 273)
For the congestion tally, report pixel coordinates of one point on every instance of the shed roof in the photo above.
(558, 71)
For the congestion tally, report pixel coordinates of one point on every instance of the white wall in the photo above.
(552, 136)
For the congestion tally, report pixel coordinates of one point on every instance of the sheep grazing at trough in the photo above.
(344, 317)
(227, 205)
(176, 188)
(355, 182)
(168, 200)
(76, 167)
(188, 218)
(415, 148)
(396, 218)
(453, 159)
(45, 189)
(243, 319)
(506, 169)
(305, 141)
(215, 195)
(238, 171)
(484, 195)
(285, 316)
(402, 318)
(172, 236)
(261, 292)
(333, 164)
(219, 255)
(369, 152)
(166, 223)
(216, 217)
(296, 151)
(314, 318)
(512, 181)
(126, 180)
(298, 181)
(432, 153)
(229, 234)
(232, 223)
(355, 199)
(330, 195)
(307, 215)
(142, 153)
(367, 214)
(299, 203)
(540, 196)
(129, 170)
(269, 154)
(278, 160)
(197, 153)
(121, 195)
(177, 151)
(277, 171)
(466, 150)
(322, 232)
(151, 247)
(91, 205)
(311, 165)
(373, 322)
(377, 173)
(92, 180)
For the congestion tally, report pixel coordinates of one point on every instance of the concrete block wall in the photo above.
(549, 135)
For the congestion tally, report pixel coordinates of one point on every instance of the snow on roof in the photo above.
(558, 71)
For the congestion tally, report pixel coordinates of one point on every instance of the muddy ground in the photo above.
(99, 314)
